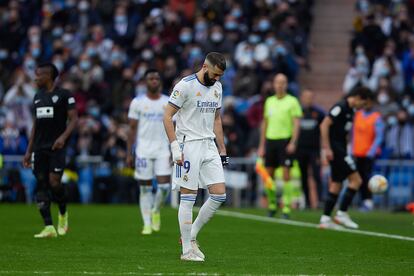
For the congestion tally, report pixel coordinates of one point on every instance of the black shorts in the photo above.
(276, 155)
(49, 161)
(342, 166)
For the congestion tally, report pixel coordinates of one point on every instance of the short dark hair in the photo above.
(363, 92)
(216, 59)
(150, 71)
(54, 72)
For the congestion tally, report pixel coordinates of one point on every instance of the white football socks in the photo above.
(206, 212)
(162, 193)
(145, 203)
(185, 219)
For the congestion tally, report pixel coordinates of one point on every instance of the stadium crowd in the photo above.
(103, 48)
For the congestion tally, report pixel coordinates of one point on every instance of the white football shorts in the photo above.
(148, 168)
(202, 166)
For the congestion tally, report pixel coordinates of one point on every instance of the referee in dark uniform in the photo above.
(335, 130)
(55, 118)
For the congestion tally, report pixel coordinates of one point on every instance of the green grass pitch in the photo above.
(106, 240)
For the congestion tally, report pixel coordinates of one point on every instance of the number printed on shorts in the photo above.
(178, 172)
(141, 163)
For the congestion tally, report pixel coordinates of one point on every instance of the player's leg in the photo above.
(185, 221)
(144, 173)
(315, 163)
(342, 217)
(271, 162)
(286, 161)
(364, 166)
(56, 167)
(162, 169)
(333, 192)
(304, 161)
(161, 194)
(41, 170)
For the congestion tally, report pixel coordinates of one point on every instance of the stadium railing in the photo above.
(244, 186)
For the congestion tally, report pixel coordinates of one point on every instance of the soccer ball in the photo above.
(378, 184)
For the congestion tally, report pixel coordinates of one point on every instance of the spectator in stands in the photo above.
(399, 137)
(358, 74)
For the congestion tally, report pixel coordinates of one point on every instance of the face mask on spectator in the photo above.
(67, 37)
(264, 25)
(196, 52)
(280, 50)
(140, 89)
(186, 37)
(383, 98)
(116, 56)
(59, 64)
(384, 71)
(231, 25)
(254, 39)
(94, 111)
(236, 13)
(217, 36)
(147, 54)
(392, 120)
(83, 6)
(270, 41)
(57, 32)
(200, 26)
(35, 52)
(411, 110)
(85, 65)
(92, 52)
(70, 3)
(3, 54)
(34, 38)
(120, 19)
(406, 102)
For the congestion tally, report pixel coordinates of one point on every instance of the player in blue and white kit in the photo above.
(152, 153)
(196, 101)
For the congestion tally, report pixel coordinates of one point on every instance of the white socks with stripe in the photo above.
(162, 192)
(145, 203)
(206, 212)
(185, 219)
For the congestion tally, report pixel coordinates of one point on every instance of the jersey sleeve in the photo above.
(134, 111)
(178, 95)
(70, 100)
(296, 109)
(220, 95)
(336, 112)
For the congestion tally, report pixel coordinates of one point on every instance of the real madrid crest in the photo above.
(216, 94)
(55, 99)
(185, 178)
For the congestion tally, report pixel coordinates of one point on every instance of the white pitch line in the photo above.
(6, 272)
(309, 225)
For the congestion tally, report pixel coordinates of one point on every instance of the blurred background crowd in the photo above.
(102, 49)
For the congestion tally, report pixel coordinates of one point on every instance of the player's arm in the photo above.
(72, 121)
(29, 150)
(262, 141)
(169, 113)
(218, 131)
(326, 145)
(295, 136)
(132, 136)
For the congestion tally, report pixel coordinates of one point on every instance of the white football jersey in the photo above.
(152, 140)
(197, 105)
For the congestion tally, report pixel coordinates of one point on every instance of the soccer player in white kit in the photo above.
(151, 152)
(196, 101)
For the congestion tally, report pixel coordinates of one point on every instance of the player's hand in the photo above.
(130, 160)
(291, 148)
(224, 160)
(328, 154)
(261, 151)
(59, 143)
(177, 154)
(27, 160)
